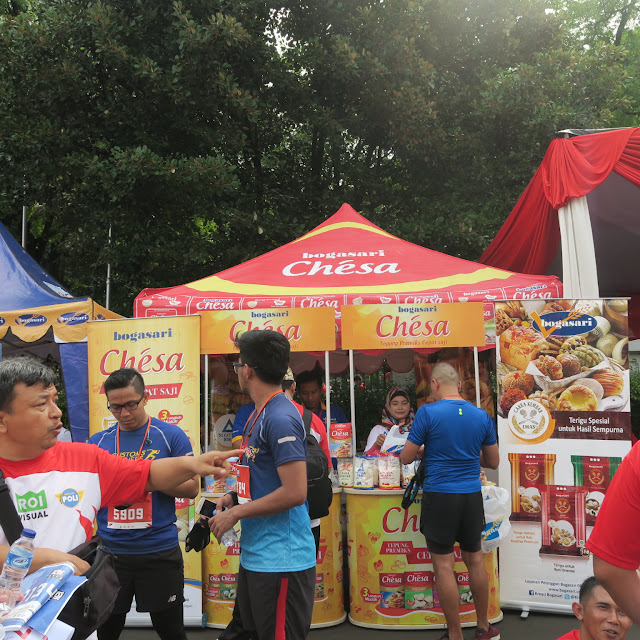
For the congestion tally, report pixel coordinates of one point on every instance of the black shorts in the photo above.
(155, 579)
(450, 517)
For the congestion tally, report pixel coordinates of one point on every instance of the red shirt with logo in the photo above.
(616, 534)
(59, 493)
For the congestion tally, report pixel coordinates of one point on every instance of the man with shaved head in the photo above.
(458, 438)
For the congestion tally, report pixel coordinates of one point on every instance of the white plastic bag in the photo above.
(496, 515)
(395, 440)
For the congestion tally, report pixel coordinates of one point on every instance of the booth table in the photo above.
(220, 570)
(390, 571)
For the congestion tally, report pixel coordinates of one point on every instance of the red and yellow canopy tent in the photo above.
(345, 260)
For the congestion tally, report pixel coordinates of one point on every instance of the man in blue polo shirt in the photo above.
(457, 438)
(143, 536)
(276, 580)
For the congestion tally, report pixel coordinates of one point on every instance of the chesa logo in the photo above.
(70, 497)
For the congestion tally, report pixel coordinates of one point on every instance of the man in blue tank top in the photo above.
(458, 438)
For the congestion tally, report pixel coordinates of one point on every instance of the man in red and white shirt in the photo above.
(58, 487)
(600, 618)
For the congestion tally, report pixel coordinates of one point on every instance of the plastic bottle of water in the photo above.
(16, 566)
(230, 537)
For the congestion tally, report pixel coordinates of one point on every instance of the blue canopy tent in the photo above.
(41, 318)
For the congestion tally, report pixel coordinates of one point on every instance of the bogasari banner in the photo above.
(564, 426)
(166, 352)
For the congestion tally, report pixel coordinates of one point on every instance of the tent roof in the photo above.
(345, 260)
(604, 166)
(32, 302)
(23, 282)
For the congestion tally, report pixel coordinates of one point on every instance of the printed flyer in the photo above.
(564, 426)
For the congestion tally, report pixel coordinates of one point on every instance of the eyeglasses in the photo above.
(129, 406)
(238, 365)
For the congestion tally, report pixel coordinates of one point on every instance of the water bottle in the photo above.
(15, 568)
(230, 537)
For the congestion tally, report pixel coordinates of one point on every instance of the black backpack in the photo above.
(319, 489)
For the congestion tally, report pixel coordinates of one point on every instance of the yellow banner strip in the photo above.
(215, 283)
(339, 226)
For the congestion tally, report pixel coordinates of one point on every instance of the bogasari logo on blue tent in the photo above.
(73, 317)
(30, 320)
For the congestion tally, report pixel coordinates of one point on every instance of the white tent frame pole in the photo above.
(327, 391)
(24, 226)
(108, 283)
(476, 367)
(206, 402)
(352, 399)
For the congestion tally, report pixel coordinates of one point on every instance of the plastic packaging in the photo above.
(16, 566)
(229, 538)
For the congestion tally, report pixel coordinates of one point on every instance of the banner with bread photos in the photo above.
(564, 425)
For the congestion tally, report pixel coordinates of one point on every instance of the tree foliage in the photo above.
(205, 133)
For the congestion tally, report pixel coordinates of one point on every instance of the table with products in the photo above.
(390, 571)
(220, 571)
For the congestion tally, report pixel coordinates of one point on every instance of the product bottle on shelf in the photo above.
(16, 567)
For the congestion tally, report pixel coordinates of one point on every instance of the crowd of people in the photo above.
(129, 475)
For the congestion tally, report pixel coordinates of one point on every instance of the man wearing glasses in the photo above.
(276, 580)
(143, 535)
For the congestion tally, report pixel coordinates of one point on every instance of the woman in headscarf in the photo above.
(397, 411)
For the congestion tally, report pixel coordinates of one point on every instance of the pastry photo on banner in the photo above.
(566, 355)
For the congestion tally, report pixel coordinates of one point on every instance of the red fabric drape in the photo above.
(572, 167)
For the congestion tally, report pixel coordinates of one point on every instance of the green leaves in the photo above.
(206, 132)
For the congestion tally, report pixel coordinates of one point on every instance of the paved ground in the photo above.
(538, 626)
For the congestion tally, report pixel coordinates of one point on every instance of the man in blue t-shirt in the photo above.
(276, 580)
(458, 438)
(143, 536)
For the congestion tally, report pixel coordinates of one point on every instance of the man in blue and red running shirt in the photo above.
(276, 580)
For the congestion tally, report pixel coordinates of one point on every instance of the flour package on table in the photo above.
(495, 501)
(388, 471)
(365, 472)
